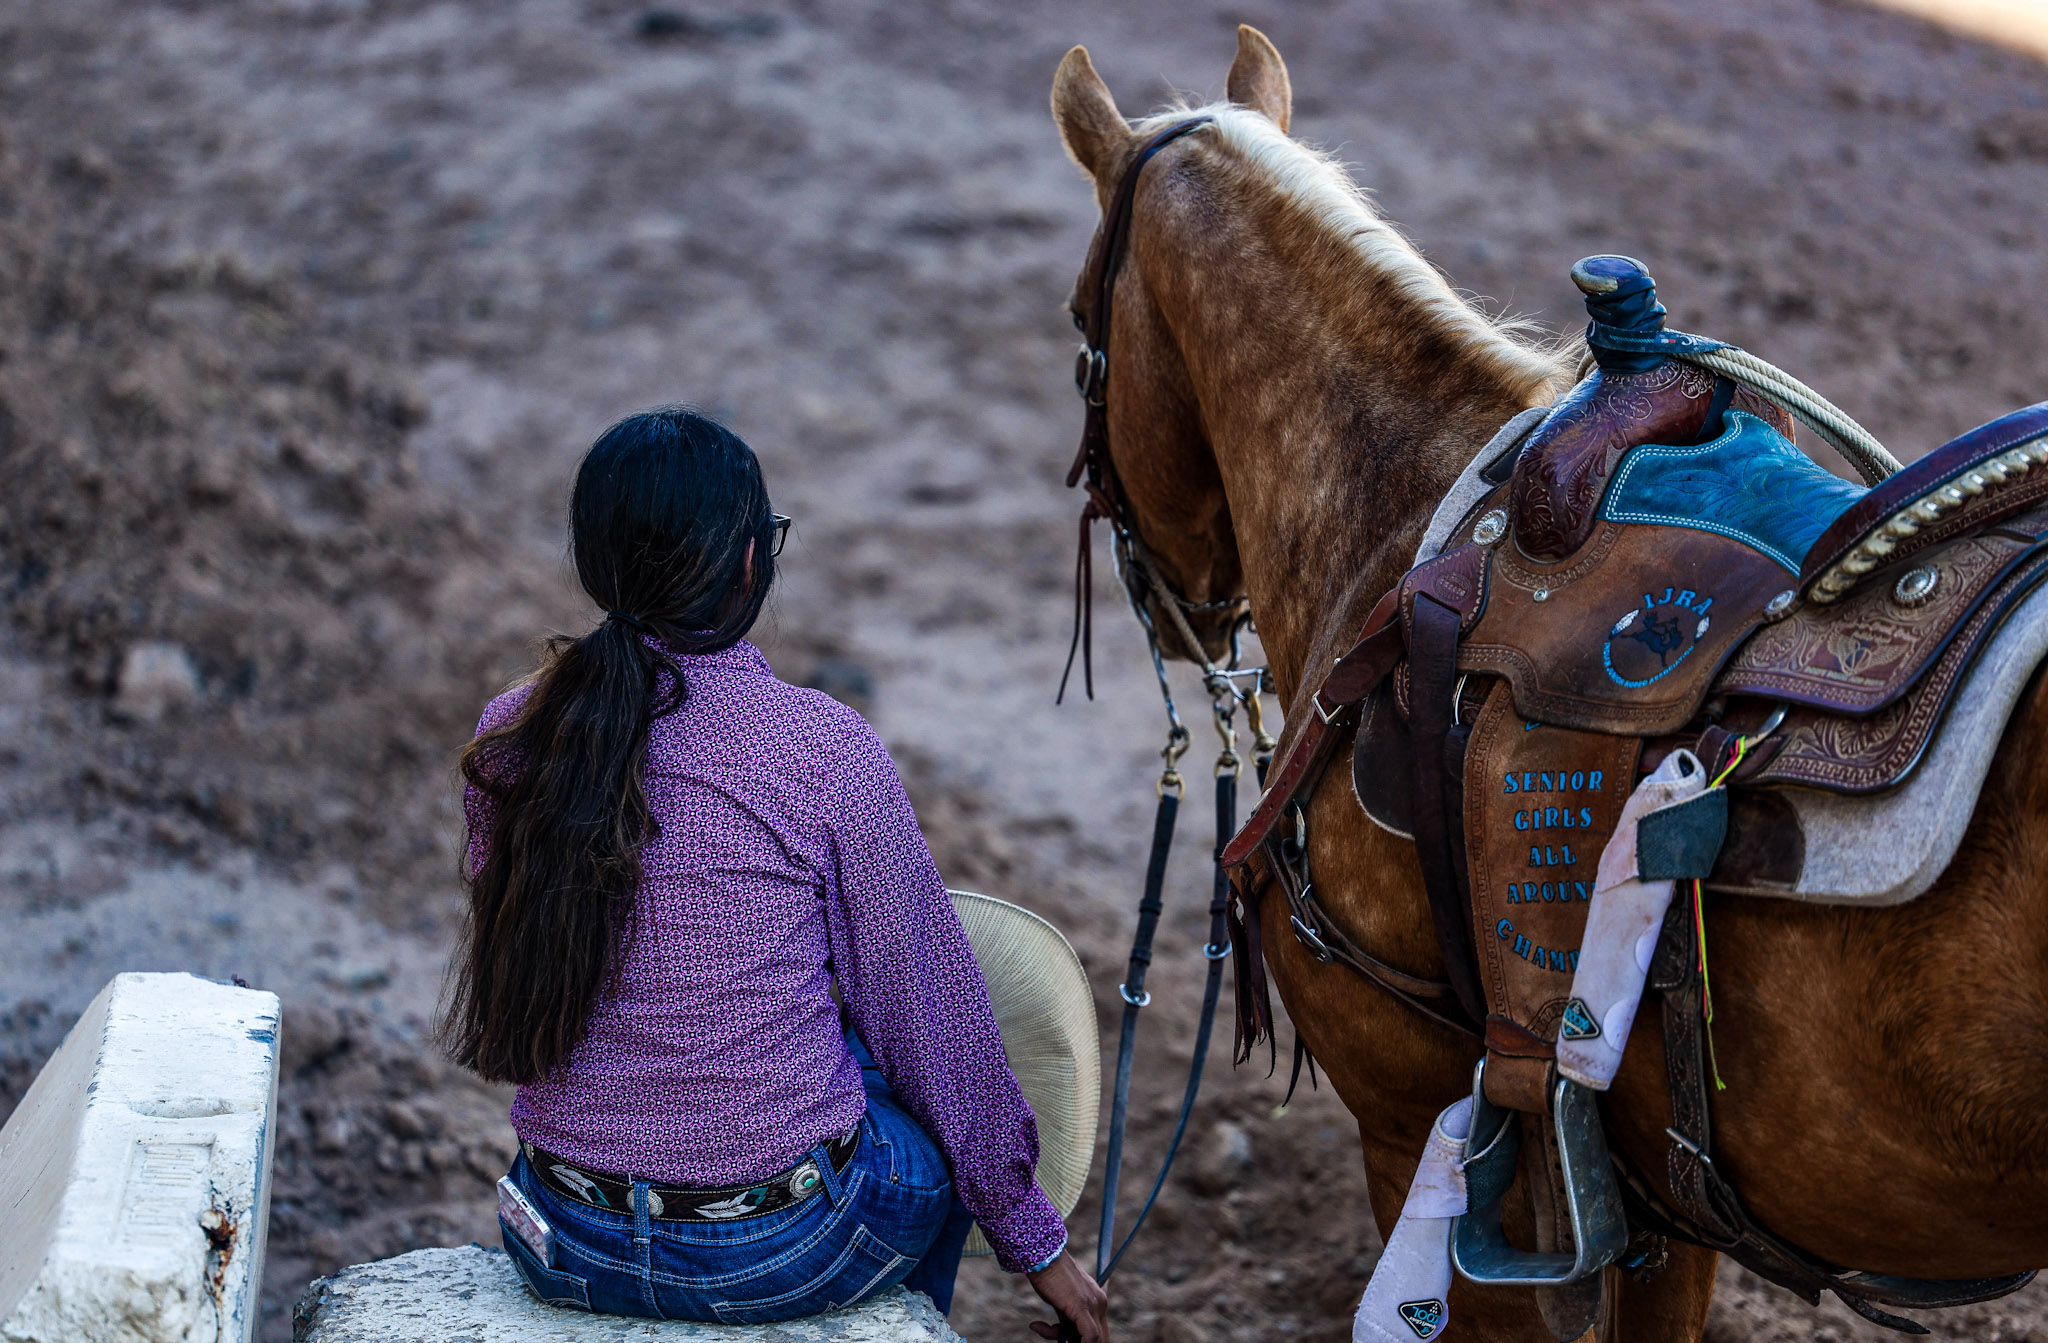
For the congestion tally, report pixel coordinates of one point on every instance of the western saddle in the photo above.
(1656, 567)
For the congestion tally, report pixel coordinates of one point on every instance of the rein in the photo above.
(1141, 578)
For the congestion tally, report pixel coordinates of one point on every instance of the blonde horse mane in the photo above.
(1312, 180)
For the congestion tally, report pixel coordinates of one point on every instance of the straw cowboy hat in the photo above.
(1046, 1013)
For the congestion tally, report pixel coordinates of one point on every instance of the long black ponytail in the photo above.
(669, 528)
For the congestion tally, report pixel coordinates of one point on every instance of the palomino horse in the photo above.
(1294, 390)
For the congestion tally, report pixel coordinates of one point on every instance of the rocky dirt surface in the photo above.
(308, 306)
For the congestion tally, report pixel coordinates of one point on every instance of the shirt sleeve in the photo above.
(479, 809)
(917, 997)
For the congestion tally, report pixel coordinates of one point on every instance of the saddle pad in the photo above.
(1473, 485)
(1887, 849)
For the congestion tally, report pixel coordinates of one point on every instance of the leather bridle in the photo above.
(1095, 469)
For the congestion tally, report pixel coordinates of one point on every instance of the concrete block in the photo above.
(473, 1295)
(135, 1174)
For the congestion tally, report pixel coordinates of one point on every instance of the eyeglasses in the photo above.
(778, 524)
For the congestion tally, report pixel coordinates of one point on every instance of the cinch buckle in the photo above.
(1313, 940)
(1480, 1249)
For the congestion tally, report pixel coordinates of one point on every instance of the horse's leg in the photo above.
(1672, 1305)
(1393, 1070)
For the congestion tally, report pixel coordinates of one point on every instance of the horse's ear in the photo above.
(1258, 77)
(1086, 114)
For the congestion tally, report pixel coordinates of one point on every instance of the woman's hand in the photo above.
(1066, 1287)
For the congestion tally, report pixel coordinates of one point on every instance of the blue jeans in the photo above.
(890, 1217)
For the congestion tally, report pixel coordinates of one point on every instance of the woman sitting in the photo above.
(674, 860)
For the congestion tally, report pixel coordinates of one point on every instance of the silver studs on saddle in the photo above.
(1917, 587)
(1959, 494)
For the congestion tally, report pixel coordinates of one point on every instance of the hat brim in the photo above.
(1046, 1013)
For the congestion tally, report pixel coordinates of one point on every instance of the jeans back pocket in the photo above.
(863, 1266)
(550, 1285)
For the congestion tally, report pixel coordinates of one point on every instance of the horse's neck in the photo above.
(1333, 461)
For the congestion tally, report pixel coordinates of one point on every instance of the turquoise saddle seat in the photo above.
(1750, 483)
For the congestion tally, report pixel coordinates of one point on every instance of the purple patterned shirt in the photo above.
(786, 857)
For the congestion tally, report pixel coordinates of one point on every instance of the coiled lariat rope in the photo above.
(1856, 444)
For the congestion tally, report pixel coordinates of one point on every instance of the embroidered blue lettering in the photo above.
(1528, 782)
(1528, 892)
(1585, 817)
(1549, 893)
(1578, 780)
(1521, 820)
(1511, 785)
(1685, 597)
(1568, 859)
(1560, 960)
(1593, 781)
(1575, 962)
(1701, 609)
(1543, 778)
(1535, 856)
(1502, 929)
(1514, 894)
(1522, 945)
(1583, 890)
(1550, 818)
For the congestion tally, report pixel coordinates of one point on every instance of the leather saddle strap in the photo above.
(1357, 674)
(1433, 676)
(1433, 998)
(1675, 974)
(1717, 1216)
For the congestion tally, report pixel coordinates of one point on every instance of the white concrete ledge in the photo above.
(472, 1295)
(135, 1174)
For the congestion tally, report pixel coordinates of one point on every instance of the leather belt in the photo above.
(672, 1203)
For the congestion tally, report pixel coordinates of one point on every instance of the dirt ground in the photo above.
(308, 306)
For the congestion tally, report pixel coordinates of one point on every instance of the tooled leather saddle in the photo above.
(1654, 565)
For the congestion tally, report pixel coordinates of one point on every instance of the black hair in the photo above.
(669, 529)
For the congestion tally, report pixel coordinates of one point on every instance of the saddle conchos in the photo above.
(1651, 588)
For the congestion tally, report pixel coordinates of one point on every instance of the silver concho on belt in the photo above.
(804, 1180)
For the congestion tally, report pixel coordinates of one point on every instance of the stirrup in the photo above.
(1480, 1250)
